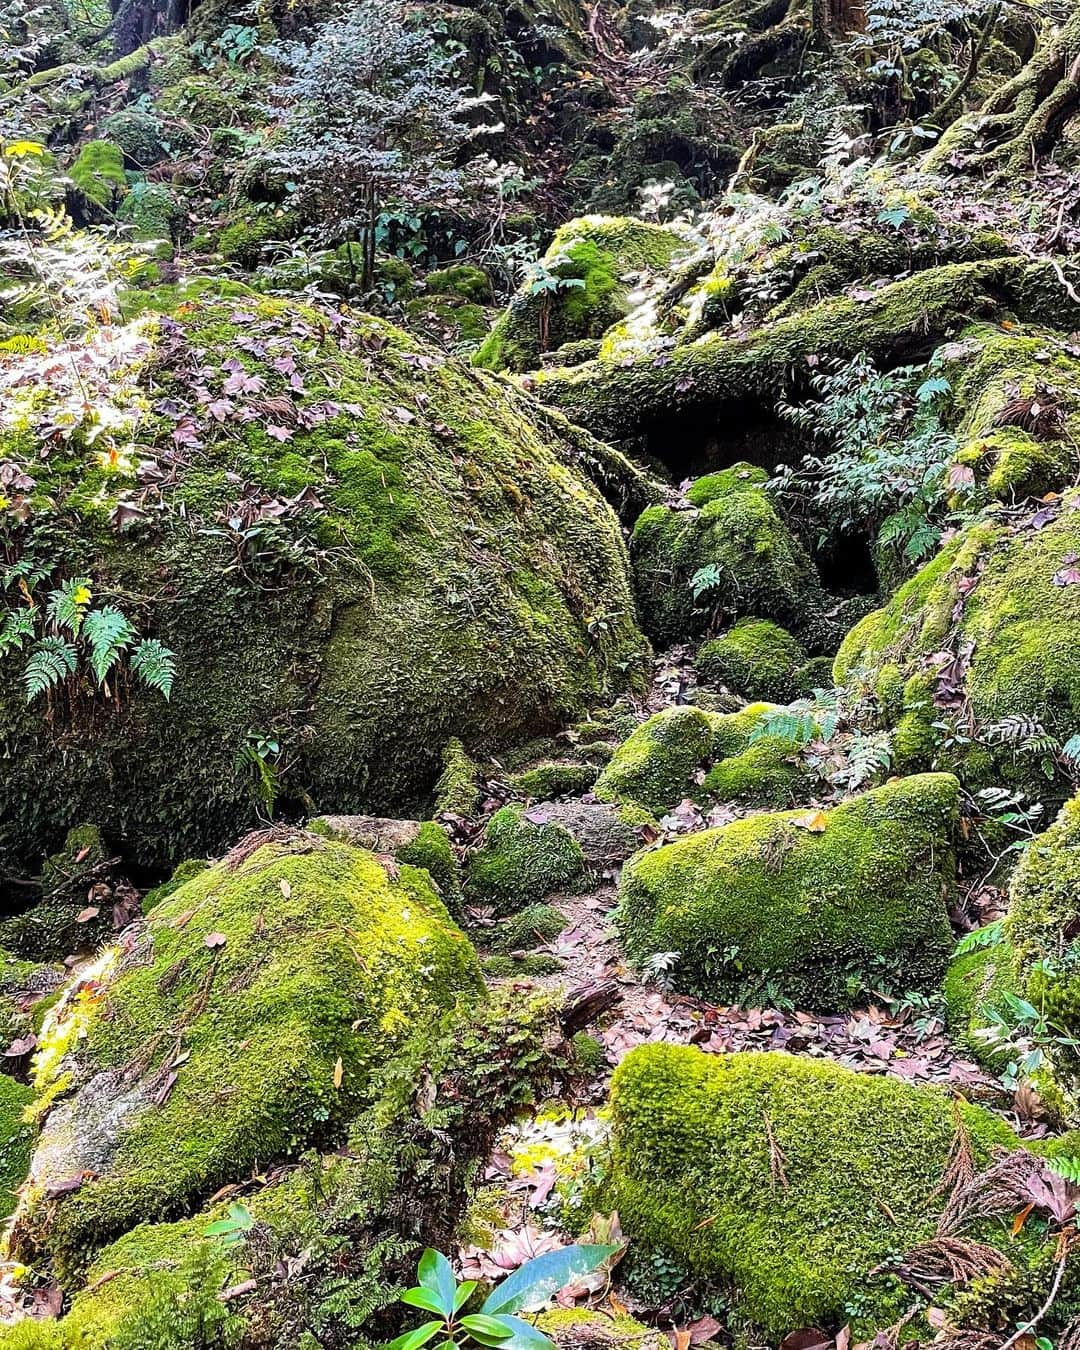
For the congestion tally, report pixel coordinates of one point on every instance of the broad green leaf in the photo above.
(423, 1298)
(525, 1335)
(464, 1293)
(537, 1281)
(412, 1340)
(434, 1273)
(479, 1324)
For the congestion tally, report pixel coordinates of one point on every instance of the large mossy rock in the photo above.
(818, 905)
(792, 1179)
(756, 565)
(521, 858)
(355, 547)
(588, 263)
(1002, 599)
(243, 1021)
(1034, 955)
(755, 658)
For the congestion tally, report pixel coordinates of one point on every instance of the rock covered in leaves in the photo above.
(354, 548)
(818, 904)
(991, 624)
(806, 1186)
(244, 1020)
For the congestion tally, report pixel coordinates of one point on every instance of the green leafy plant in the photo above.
(496, 1323)
(234, 1227)
(68, 629)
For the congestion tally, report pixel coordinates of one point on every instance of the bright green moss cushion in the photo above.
(821, 904)
(793, 1179)
(242, 1024)
(755, 658)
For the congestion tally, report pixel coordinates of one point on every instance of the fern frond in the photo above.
(108, 632)
(990, 935)
(51, 661)
(68, 604)
(17, 628)
(155, 665)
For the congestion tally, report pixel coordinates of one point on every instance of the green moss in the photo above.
(458, 791)
(993, 590)
(152, 211)
(463, 280)
(738, 478)
(267, 971)
(755, 658)
(589, 1054)
(98, 172)
(448, 571)
(757, 566)
(544, 781)
(50, 930)
(589, 257)
(137, 133)
(792, 1179)
(573, 1328)
(245, 241)
(655, 766)
(976, 989)
(519, 862)
(432, 850)
(532, 926)
(818, 903)
(767, 773)
(16, 1137)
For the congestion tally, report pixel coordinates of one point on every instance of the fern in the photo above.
(990, 935)
(155, 665)
(108, 632)
(51, 661)
(1023, 733)
(17, 628)
(790, 724)
(68, 604)
(1069, 1168)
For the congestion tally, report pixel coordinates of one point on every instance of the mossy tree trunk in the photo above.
(1021, 121)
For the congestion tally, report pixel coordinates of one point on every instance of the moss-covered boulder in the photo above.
(417, 843)
(655, 765)
(579, 289)
(16, 1138)
(794, 1180)
(521, 858)
(659, 763)
(1032, 954)
(755, 658)
(769, 772)
(730, 558)
(1002, 599)
(244, 1021)
(354, 547)
(821, 904)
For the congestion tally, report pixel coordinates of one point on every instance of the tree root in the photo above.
(1024, 118)
(98, 76)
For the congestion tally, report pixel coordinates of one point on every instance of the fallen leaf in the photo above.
(214, 940)
(85, 915)
(339, 1072)
(813, 821)
(286, 889)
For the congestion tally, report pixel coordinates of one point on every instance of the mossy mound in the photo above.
(1002, 597)
(768, 773)
(584, 288)
(658, 763)
(594, 1329)
(417, 843)
(655, 765)
(427, 560)
(755, 658)
(819, 904)
(521, 860)
(1034, 955)
(244, 1022)
(553, 778)
(792, 1179)
(16, 1140)
(735, 551)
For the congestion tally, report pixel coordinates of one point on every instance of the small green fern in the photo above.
(1069, 1168)
(51, 661)
(98, 172)
(68, 604)
(990, 935)
(109, 632)
(17, 629)
(155, 665)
